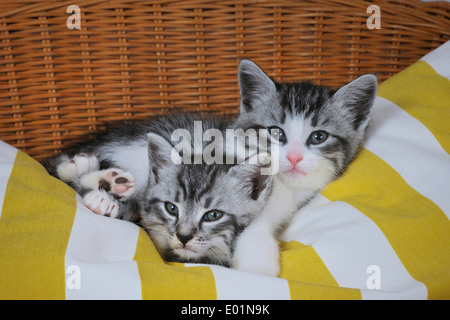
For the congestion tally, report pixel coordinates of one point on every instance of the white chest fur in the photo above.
(257, 247)
(283, 203)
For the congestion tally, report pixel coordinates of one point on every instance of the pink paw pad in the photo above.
(117, 182)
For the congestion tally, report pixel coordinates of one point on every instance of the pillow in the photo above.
(380, 231)
(52, 247)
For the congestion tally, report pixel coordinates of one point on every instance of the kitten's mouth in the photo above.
(188, 249)
(295, 172)
(186, 252)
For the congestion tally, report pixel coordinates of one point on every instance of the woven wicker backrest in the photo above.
(131, 59)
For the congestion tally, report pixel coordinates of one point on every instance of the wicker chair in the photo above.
(131, 59)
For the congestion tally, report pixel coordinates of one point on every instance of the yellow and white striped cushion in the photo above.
(380, 231)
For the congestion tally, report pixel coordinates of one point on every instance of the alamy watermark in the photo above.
(73, 277)
(374, 20)
(236, 146)
(373, 282)
(74, 20)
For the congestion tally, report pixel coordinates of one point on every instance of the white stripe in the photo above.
(102, 249)
(237, 285)
(439, 60)
(7, 157)
(412, 150)
(410, 291)
(348, 242)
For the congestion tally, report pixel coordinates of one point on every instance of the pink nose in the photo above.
(295, 158)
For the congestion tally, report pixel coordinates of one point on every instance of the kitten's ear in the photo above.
(160, 152)
(358, 97)
(256, 184)
(254, 85)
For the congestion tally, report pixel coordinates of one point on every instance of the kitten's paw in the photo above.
(80, 164)
(102, 203)
(257, 251)
(116, 182)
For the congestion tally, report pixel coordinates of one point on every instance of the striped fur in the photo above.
(143, 149)
(318, 130)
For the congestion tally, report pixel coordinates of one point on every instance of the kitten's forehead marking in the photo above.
(197, 185)
(182, 185)
(207, 202)
(295, 128)
(304, 99)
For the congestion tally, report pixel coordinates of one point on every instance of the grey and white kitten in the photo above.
(318, 131)
(192, 212)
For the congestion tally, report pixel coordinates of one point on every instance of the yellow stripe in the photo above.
(170, 281)
(307, 291)
(425, 95)
(416, 228)
(308, 276)
(35, 225)
(301, 263)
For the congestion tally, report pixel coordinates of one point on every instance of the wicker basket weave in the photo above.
(131, 59)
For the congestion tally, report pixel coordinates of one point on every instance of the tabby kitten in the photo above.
(318, 131)
(192, 212)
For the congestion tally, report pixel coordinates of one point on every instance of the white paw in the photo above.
(257, 251)
(102, 203)
(79, 165)
(266, 267)
(115, 181)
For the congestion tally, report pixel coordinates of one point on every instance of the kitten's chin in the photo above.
(186, 253)
(295, 173)
(297, 179)
(292, 179)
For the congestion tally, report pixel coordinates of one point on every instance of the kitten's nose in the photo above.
(184, 238)
(294, 158)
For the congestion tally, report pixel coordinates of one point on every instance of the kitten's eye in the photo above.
(317, 137)
(212, 215)
(171, 208)
(277, 133)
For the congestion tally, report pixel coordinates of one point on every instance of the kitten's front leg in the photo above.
(257, 250)
(69, 169)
